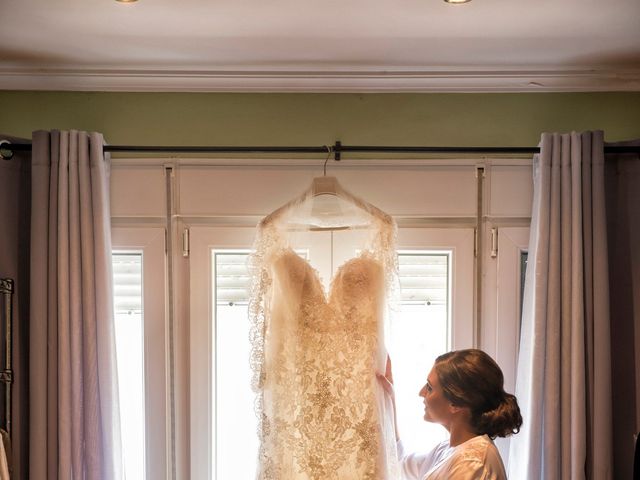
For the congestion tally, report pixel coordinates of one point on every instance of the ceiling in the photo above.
(329, 45)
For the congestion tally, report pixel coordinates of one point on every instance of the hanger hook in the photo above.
(327, 159)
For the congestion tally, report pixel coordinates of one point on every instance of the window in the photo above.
(235, 429)
(435, 202)
(138, 260)
(508, 291)
(506, 308)
(129, 332)
(212, 244)
(524, 258)
(419, 332)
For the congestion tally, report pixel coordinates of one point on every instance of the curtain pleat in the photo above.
(65, 415)
(602, 426)
(564, 171)
(75, 314)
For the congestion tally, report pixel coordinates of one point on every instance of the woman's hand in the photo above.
(386, 381)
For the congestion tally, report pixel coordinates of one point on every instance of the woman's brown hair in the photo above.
(471, 378)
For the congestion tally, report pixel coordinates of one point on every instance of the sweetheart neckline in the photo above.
(327, 295)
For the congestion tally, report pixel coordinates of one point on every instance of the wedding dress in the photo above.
(322, 413)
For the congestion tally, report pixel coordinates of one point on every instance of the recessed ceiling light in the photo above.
(126, 1)
(457, 1)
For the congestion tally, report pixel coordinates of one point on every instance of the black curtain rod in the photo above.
(336, 149)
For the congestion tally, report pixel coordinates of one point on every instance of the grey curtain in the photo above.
(622, 182)
(564, 367)
(74, 429)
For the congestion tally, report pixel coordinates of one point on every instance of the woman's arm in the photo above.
(413, 465)
(386, 381)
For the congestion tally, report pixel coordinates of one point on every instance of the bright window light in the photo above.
(235, 437)
(129, 329)
(419, 332)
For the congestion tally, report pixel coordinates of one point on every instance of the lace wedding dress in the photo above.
(322, 413)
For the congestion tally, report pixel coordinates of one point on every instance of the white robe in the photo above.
(475, 459)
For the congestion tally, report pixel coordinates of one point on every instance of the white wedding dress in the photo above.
(322, 413)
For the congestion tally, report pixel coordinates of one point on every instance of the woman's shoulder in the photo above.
(480, 451)
(476, 448)
(442, 450)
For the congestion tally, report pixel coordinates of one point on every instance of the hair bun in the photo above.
(502, 421)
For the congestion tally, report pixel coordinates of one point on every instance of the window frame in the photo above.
(150, 242)
(206, 240)
(460, 242)
(190, 192)
(203, 241)
(502, 290)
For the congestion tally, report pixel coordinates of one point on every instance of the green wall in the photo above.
(457, 119)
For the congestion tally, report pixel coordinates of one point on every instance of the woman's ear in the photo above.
(453, 408)
(456, 410)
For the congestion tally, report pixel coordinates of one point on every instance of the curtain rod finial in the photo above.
(5, 153)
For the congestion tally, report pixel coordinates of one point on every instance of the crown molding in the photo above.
(337, 81)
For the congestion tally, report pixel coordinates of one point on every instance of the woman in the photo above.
(464, 393)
